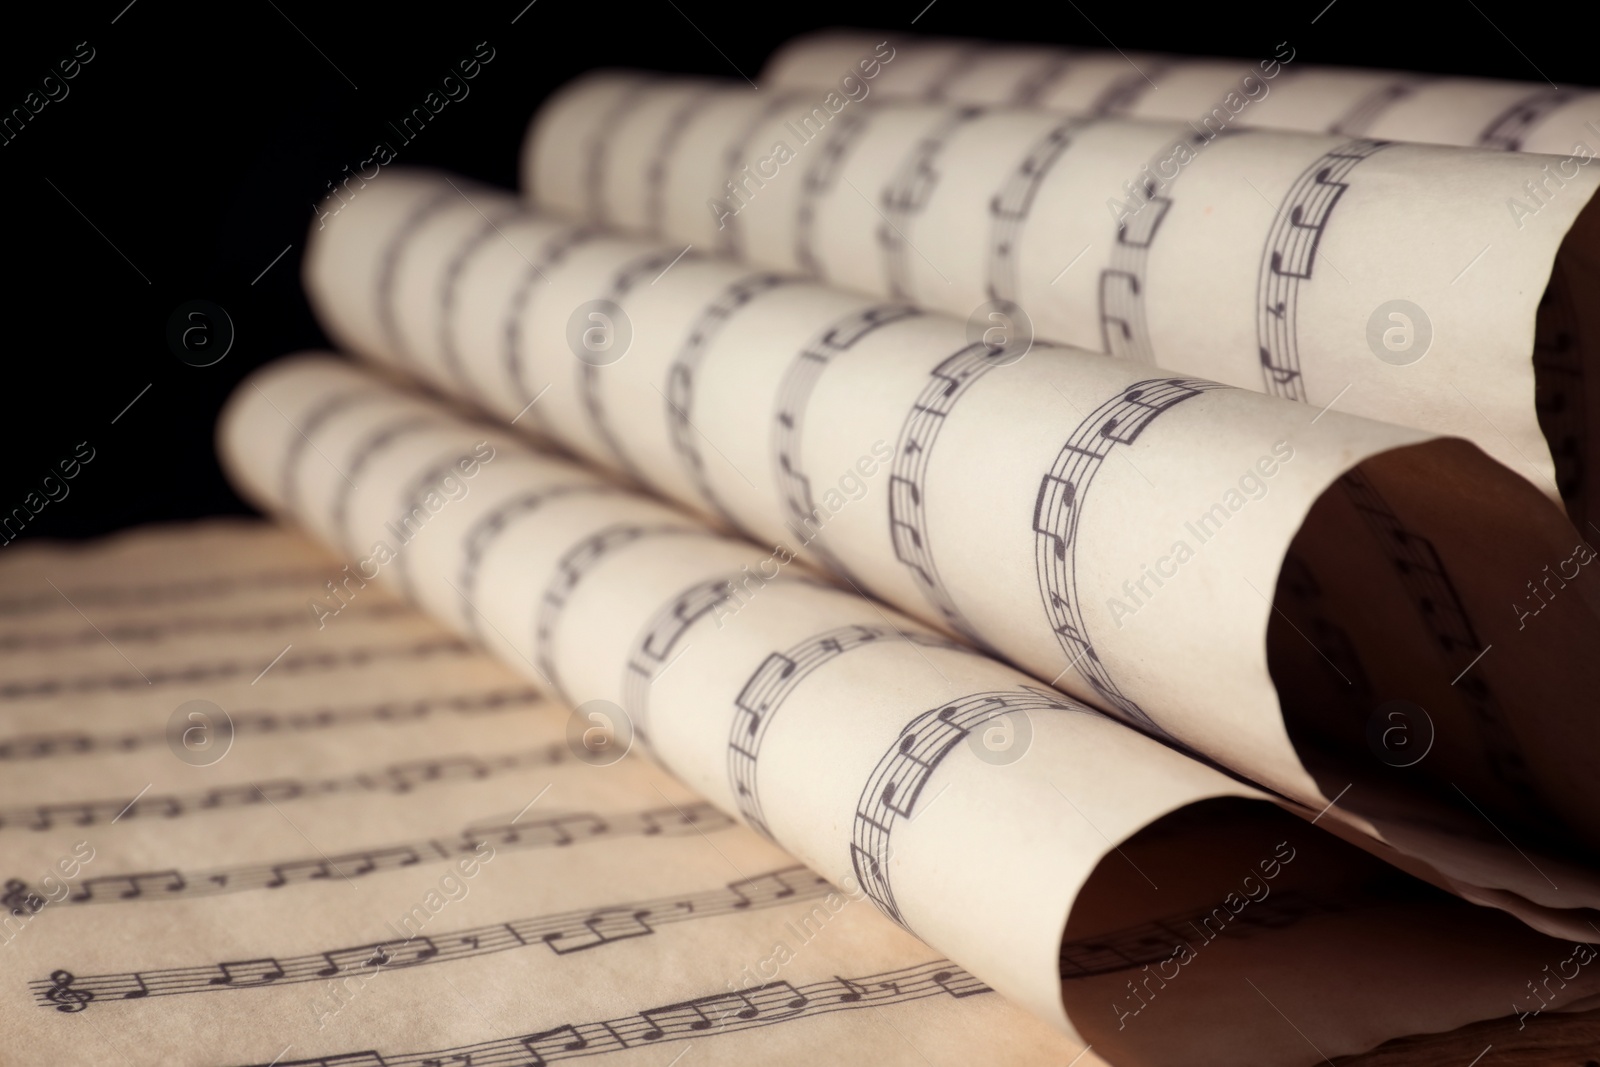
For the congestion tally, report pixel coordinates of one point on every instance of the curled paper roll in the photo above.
(867, 745)
(1297, 596)
(1385, 279)
(1277, 90)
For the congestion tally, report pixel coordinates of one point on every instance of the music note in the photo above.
(856, 991)
(133, 884)
(283, 873)
(560, 1039)
(696, 1014)
(770, 886)
(397, 953)
(63, 996)
(603, 927)
(248, 972)
(959, 985)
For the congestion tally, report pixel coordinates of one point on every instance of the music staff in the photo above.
(1010, 205)
(683, 375)
(656, 646)
(1509, 129)
(276, 724)
(821, 179)
(563, 933)
(1124, 325)
(393, 778)
(1340, 660)
(1429, 587)
(1059, 505)
(650, 265)
(966, 58)
(1032, 88)
(1151, 942)
(770, 1004)
(779, 674)
(221, 669)
(504, 213)
(908, 530)
(328, 408)
(672, 132)
(549, 256)
(574, 565)
(597, 159)
(1289, 259)
(377, 441)
(794, 394)
(155, 630)
(421, 214)
(907, 194)
(1361, 115)
(413, 504)
(556, 831)
(483, 534)
(218, 587)
(735, 157)
(1123, 94)
(897, 781)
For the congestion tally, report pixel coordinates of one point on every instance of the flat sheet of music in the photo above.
(939, 559)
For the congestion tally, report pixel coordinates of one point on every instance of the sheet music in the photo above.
(1276, 90)
(601, 907)
(1339, 268)
(1118, 535)
(939, 783)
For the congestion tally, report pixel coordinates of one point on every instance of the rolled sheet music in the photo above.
(1294, 595)
(856, 739)
(560, 901)
(1430, 286)
(1276, 91)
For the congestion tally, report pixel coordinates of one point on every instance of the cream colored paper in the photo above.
(869, 735)
(1026, 502)
(1395, 281)
(1277, 90)
(621, 925)
(781, 707)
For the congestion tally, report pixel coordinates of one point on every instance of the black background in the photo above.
(200, 135)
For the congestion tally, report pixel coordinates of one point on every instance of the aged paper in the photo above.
(1117, 535)
(381, 847)
(969, 805)
(1396, 281)
(1278, 90)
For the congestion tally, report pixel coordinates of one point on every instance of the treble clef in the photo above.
(19, 899)
(63, 996)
